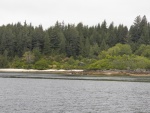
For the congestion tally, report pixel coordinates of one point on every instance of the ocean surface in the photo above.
(73, 94)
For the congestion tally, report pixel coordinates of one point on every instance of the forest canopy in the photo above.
(76, 46)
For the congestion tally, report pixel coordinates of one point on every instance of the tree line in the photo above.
(31, 44)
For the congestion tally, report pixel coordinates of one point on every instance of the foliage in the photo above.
(76, 46)
(3, 62)
(117, 50)
(28, 57)
(124, 62)
(143, 50)
(41, 64)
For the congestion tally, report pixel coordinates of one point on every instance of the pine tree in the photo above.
(62, 45)
(112, 38)
(135, 31)
(103, 46)
(73, 44)
(46, 48)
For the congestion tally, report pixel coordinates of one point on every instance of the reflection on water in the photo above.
(19, 95)
(76, 77)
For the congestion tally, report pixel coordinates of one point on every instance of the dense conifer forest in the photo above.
(78, 46)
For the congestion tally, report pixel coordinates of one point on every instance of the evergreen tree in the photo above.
(72, 45)
(94, 50)
(46, 48)
(7, 41)
(145, 37)
(135, 31)
(122, 34)
(112, 35)
(38, 38)
(103, 46)
(70, 40)
(62, 45)
(87, 48)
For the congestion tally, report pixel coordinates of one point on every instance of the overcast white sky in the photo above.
(90, 12)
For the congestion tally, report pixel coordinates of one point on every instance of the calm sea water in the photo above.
(22, 95)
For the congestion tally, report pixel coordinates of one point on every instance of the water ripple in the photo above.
(19, 95)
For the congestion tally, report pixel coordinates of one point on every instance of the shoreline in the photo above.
(81, 72)
(56, 71)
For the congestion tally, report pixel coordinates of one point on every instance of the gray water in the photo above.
(23, 95)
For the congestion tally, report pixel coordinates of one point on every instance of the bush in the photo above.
(3, 62)
(122, 62)
(117, 50)
(101, 64)
(143, 50)
(41, 64)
